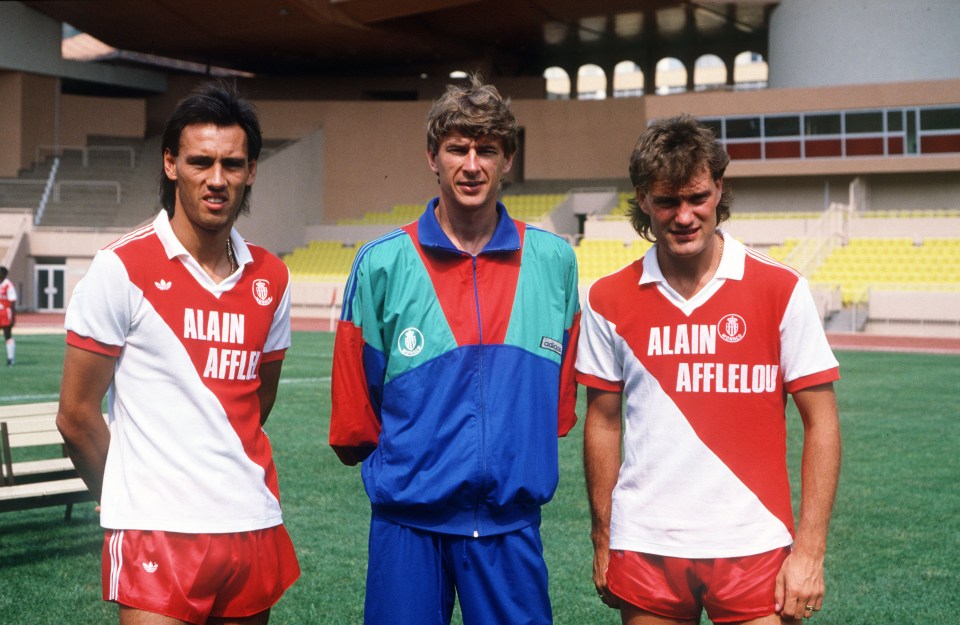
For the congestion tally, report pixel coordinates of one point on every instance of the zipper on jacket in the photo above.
(482, 407)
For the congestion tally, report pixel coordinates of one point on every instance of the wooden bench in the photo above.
(34, 483)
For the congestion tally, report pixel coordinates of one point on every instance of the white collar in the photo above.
(730, 268)
(175, 249)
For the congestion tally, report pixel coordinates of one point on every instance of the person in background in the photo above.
(705, 338)
(186, 325)
(8, 314)
(452, 378)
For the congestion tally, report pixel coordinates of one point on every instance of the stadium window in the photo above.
(458, 74)
(939, 130)
(781, 126)
(912, 144)
(709, 72)
(895, 120)
(715, 125)
(863, 122)
(627, 80)
(860, 123)
(592, 28)
(591, 82)
(750, 71)
(743, 127)
(822, 124)
(940, 119)
(671, 76)
(628, 25)
(558, 83)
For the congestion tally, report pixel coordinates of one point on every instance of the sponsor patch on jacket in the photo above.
(552, 344)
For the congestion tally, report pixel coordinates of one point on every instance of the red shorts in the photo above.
(192, 577)
(731, 589)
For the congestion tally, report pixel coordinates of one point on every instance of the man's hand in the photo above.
(800, 586)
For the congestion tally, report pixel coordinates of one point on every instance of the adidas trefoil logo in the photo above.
(150, 567)
(163, 285)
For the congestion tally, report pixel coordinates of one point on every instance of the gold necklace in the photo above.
(230, 257)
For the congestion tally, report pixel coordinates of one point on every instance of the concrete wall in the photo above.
(36, 114)
(86, 116)
(28, 120)
(914, 313)
(10, 136)
(287, 195)
(846, 42)
(374, 153)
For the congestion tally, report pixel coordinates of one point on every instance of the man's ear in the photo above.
(508, 164)
(169, 164)
(640, 197)
(432, 161)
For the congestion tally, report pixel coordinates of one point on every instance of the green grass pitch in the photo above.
(894, 543)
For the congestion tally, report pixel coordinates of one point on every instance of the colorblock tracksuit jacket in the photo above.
(453, 375)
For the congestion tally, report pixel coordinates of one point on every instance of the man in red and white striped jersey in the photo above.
(705, 338)
(186, 325)
(8, 314)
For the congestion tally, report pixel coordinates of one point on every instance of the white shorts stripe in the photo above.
(116, 563)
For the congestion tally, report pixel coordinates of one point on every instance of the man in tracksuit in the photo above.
(452, 379)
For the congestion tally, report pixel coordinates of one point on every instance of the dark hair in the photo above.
(672, 151)
(475, 110)
(218, 102)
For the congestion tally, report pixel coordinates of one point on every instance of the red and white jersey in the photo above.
(704, 470)
(8, 298)
(187, 452)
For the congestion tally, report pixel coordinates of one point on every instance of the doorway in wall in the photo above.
(50, 287)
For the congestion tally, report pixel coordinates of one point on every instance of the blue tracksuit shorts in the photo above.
(414, 575)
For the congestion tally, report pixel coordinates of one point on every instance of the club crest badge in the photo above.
(732, 328)
(261, 292)
(410, 342)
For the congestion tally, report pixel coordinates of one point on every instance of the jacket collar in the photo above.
(505, 238)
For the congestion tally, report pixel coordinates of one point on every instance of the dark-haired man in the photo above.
(186, 325)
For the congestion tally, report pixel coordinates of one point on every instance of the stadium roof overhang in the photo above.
(412, 37)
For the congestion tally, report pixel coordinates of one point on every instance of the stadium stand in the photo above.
(598, 257)
(322, 261)
(885, 114)
(890, 264)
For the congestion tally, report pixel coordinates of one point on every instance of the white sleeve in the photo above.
(804, 347)
(103, 302)
(596, 351)
(279, 336)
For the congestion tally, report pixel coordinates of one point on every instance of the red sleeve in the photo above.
(814, 379)
(92, 345)
(567, 417)
(277, 354)
(599, 383)
(354, 425)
